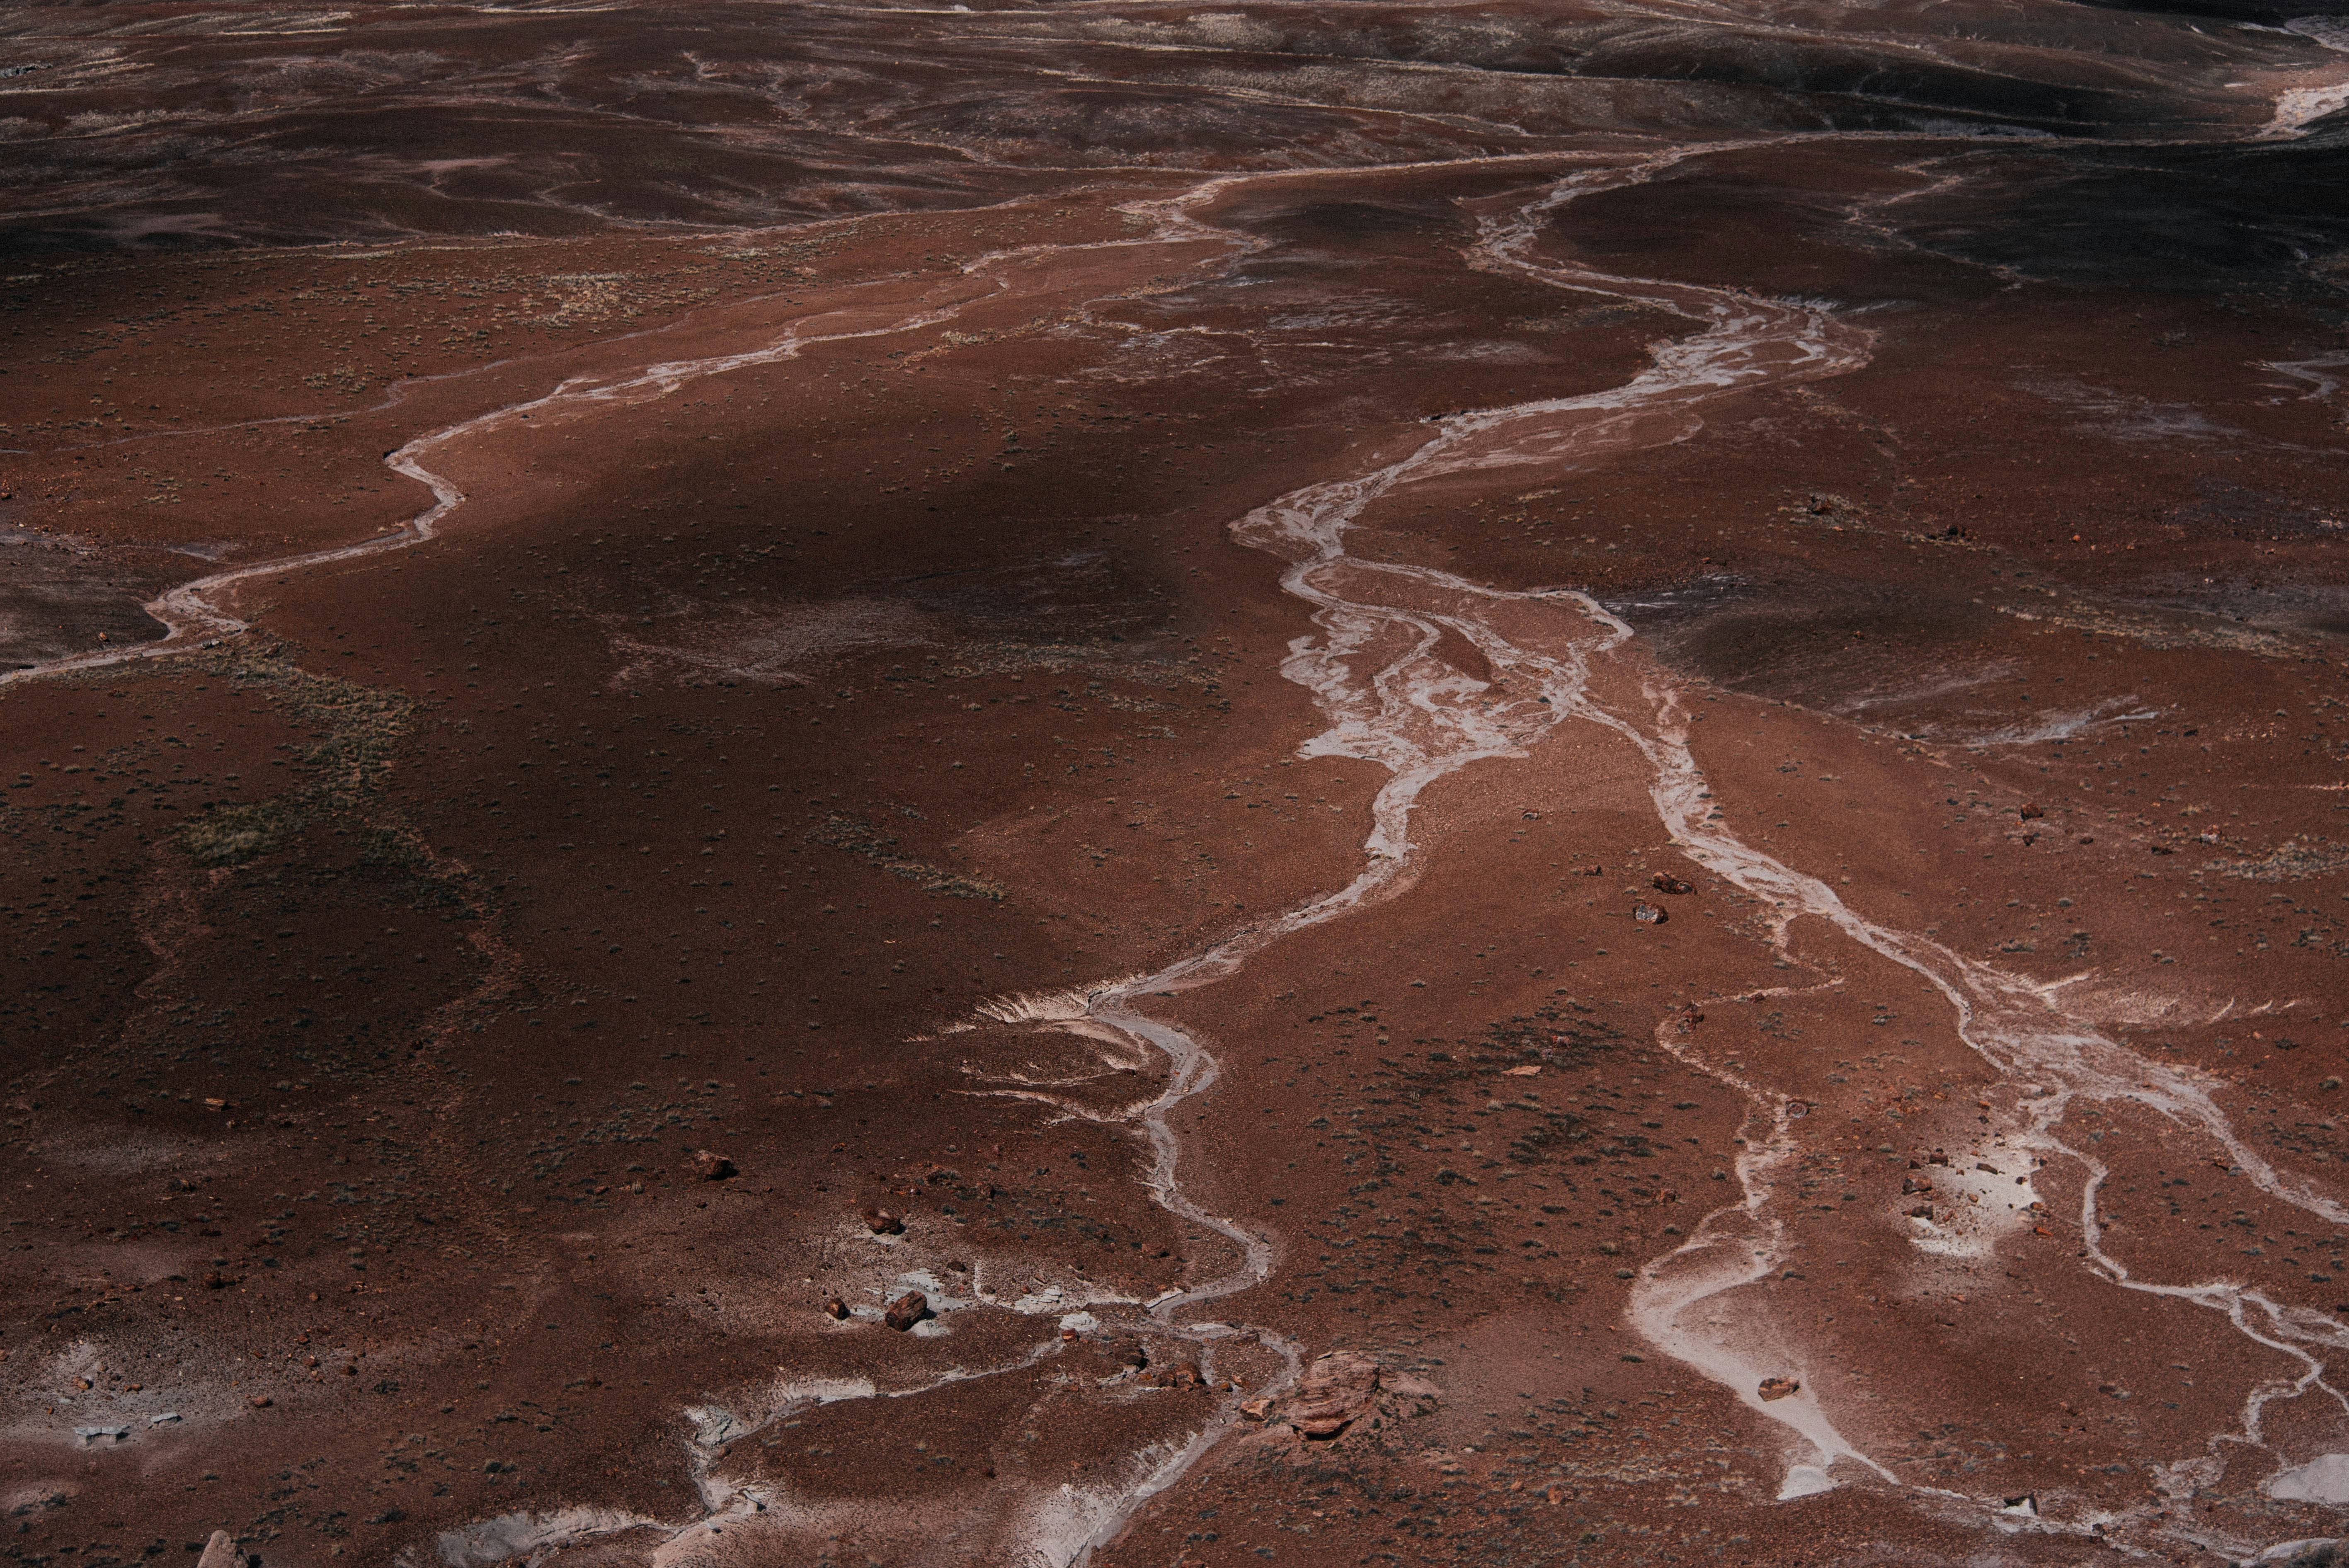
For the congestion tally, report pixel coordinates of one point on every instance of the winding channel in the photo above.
(1373, 670)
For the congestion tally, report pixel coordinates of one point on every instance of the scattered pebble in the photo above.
(1778, 1387)
(906, 1310)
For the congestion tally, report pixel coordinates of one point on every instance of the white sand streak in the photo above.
(1373, 670)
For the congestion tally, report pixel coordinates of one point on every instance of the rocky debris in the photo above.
(1403, 1386)
(1649, 913)
(1255, 1410)
(711, 1166)
(1531, 1069)
(1939, 1157)
(1778, 1387)
(89, 1434)
(906, 1310)
(1911, 1184)
(2031, 812)
(884, 1223)
(1670, 884)
(1689, 1020)
(1336, 1391)
(260, 1401)
(220, 1552)
(1921, 1211)
(1590, 870)
(1182, 1375)
(835, 1309)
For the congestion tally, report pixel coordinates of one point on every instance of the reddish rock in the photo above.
(881, 1223)
(1778, 1387)
(1670, 884)
(711, 1166)
(1336, 1391)
(835, 1309)
(906, 1310)
(1649, 913)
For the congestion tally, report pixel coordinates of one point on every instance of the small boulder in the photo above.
(220, 1552)
(1648, 914)
(906, 1310)
(711, 1166)
(1336, 1391)
(1778, 1387)
(1255, 1410)
(883, 1222)
(1182, 1375)
(1670, 884)
(2031, 812)
(835, 1309)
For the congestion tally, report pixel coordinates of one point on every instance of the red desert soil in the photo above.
(1251, 825)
